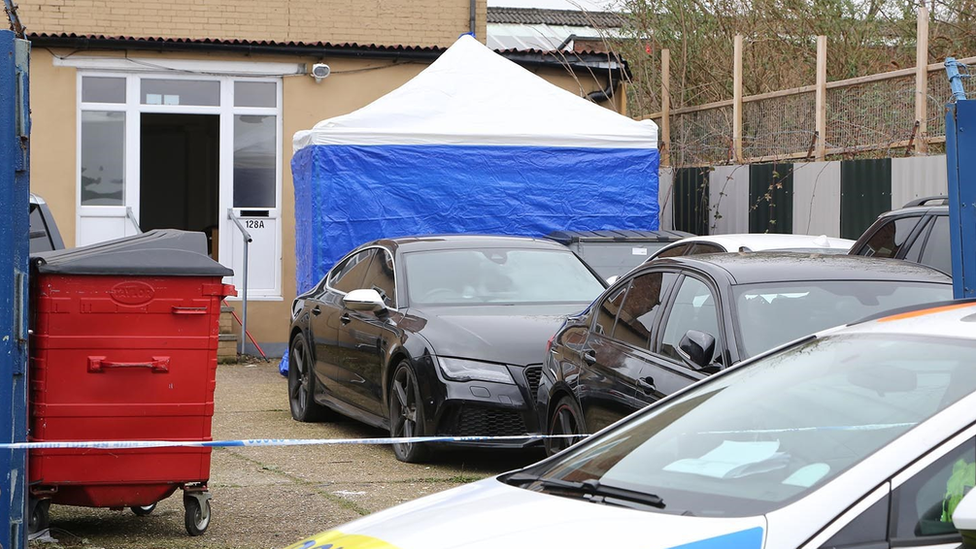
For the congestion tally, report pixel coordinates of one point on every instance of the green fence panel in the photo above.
(865, 193)
(771, 198)
(691, 211)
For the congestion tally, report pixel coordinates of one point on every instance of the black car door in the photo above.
(615, 350)
(693, 305)
(365, 337)
(326, 311)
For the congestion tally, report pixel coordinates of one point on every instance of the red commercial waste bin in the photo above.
(124, 347)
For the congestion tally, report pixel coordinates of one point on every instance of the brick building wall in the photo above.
(380, 22)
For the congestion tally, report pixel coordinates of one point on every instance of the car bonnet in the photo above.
(490, 514)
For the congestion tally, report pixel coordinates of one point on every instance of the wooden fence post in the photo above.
(665, 107)
(820, 152)
(922, 79)
(737, 100)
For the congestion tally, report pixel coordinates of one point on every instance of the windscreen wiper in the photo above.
(591, 487)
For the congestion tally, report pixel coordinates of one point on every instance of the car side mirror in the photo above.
(364, 300)
(697, 348)
(964, 519)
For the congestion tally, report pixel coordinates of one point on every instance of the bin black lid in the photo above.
(166, 252)
(663, 235)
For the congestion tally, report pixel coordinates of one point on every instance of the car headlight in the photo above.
(459, 369)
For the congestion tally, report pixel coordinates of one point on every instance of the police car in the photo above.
(859, 437)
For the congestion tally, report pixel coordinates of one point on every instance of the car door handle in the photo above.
(316, 311)
(345, 318)
(589, 357)
(647, 384)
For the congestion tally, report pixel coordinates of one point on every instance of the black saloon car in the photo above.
(676, 320)
(434, 335)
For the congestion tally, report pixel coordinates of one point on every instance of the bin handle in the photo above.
(189, 310)
(98, 364)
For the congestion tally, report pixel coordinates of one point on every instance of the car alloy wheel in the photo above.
(407, 414)
(567, 419)
(301, 383)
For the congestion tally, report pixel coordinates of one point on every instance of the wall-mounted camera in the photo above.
(320, 71)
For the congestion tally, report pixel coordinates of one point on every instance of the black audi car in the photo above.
(434, 335)
(673, 321)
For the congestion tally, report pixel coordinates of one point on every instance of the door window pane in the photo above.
(102, 158)
(380, 277)
(936, 252)
(180, 92)
(349, 276)
(890, 237)
(868, 531)
(255, 148)
(607, 312)
(674, 251)
(99, 89)
(924, 503)
(255, 94)
(640, 309)
(693, 309)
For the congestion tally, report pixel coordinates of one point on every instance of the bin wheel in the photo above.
(39, 518)
(143, 510)
(197, 518)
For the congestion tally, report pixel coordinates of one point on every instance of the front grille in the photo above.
(533, 374)
(474, 421)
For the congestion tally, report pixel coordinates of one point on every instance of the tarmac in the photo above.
(273, 497)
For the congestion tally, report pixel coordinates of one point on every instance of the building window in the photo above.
(255, 174)
(102, 158)
(200, 93)
(101, 89)
(255, 94)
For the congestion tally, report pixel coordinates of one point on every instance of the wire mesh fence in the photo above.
(778, 126)
(866, 117)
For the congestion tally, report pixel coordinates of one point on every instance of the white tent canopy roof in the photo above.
(472, 96)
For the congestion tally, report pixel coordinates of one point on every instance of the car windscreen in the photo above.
(748, 442)
(770, 314)
(616, 258)
(499, 276)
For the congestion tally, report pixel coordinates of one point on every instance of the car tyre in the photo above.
(566, 419)
(301, 384)
(407, 414)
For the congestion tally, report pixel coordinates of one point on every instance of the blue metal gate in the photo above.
(14, 238)
(961, 159)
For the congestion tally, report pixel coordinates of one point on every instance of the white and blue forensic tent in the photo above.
(473, 144)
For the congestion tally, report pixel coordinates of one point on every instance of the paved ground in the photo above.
(271, 497)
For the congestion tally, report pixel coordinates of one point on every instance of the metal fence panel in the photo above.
(691, 211)
(771, 198)
(917, 177)
(665, 184)
(728, 199)
(865, 193)
(816, 198)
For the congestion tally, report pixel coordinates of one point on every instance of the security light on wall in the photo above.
(320, 71)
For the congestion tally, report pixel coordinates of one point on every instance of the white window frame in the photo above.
(133, 109)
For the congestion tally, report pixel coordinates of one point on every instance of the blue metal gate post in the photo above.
(14, 250)
(961, 159)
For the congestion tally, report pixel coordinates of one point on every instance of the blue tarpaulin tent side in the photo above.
(348, 195)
